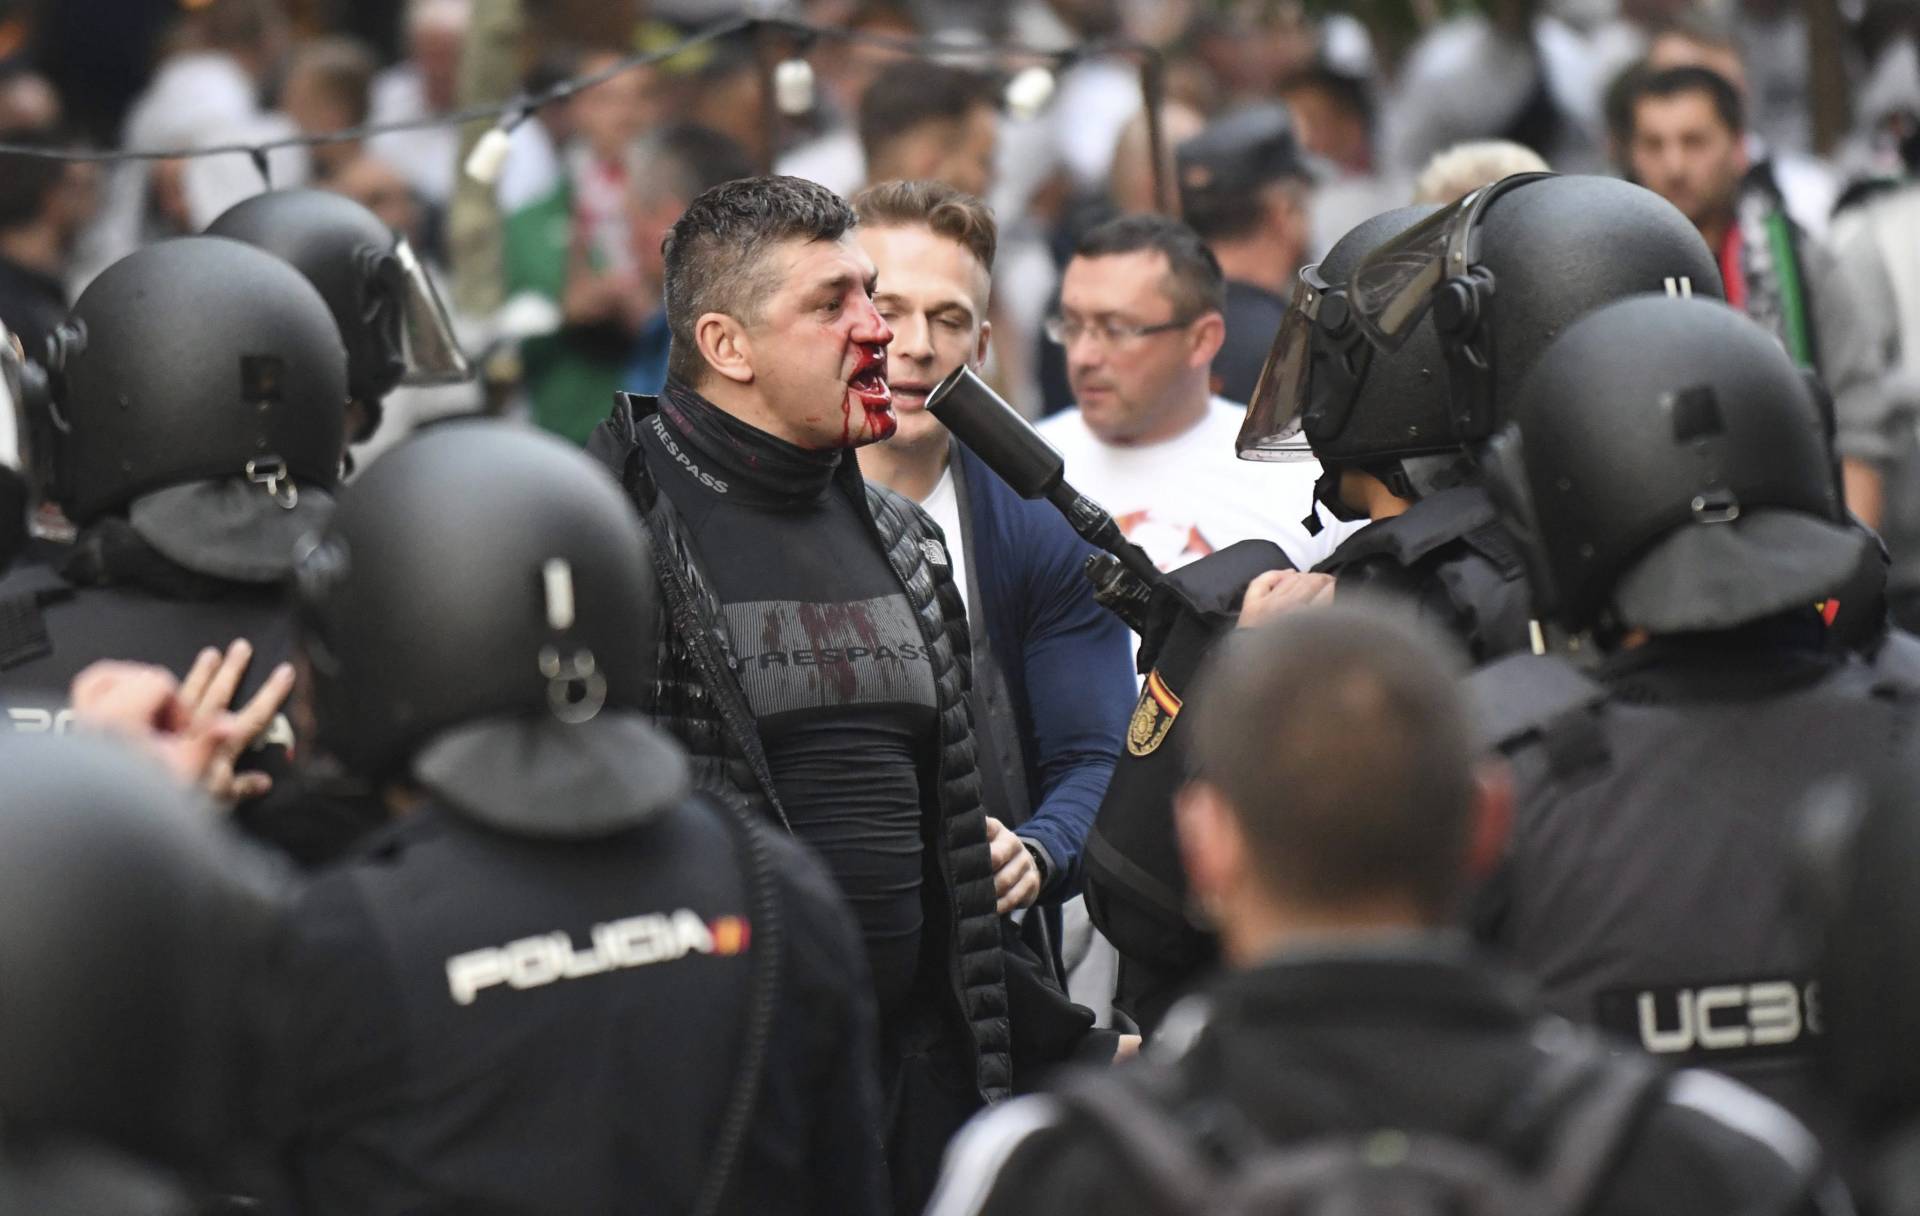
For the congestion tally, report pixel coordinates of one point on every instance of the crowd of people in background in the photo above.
(1070, 720)
(1283, 128)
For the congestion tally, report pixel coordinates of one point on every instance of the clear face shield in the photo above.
(1275, 427)
(13, 433)
(22, 390)
(426, 343)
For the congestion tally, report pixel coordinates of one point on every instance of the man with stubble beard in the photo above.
(818, 665)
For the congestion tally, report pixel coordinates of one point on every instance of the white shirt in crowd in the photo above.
(1190, 495)
(428, 156)
(944, 505)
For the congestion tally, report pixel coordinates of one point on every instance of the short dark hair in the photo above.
(26, 182)
(1342, 741)
(1676, 82)
(1617, 103)
(716, 254)
(908, 95)
(1349, 93)
(944, 210)
(1195, 283)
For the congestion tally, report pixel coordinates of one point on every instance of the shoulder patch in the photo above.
(1153, 716)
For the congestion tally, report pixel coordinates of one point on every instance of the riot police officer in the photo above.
(1388, 394)
(1379, 423)
(129, 934)
(390, 316)
(196, 414)
(626, 998)
(1667, 476)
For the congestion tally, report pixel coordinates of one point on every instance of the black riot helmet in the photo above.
(390, 317)
(1327, 393)
(481, 618)
(1667, 469)
(130, 939)
(1509, 267)
(190, 361)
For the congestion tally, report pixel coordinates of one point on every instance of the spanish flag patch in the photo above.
(1152, 717)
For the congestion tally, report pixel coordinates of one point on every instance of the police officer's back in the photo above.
(1398, 354)
(197, 414)
(555, 982)
(1684, 518)
(1335, 817)
(128, 942)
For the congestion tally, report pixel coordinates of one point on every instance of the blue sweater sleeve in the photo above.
(1074, 662)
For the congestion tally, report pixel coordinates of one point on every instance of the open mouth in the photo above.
(910, 395)
(869, 382)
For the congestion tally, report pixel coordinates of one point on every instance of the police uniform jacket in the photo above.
(1651, 879)
(135, 605)
(51, 628)
(484, 1023)
(1448, 555)
(1414, 1036)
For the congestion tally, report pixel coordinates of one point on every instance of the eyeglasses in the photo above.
(1107, 333)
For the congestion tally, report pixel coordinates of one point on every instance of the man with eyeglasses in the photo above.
(1141, 317)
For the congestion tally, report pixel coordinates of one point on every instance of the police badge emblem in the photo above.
(1152, 717)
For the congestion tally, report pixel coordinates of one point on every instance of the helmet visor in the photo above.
(13, 432)
(1392, 287)
(1274, 425)
(433, 354)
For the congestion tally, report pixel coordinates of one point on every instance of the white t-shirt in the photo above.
(1190, 496)
(944, 505)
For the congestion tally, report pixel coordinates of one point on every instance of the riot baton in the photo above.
(1125, 580)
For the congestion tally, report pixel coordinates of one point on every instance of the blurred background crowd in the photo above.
(1281, 124)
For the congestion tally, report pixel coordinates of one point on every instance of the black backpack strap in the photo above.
(1581, 1108)
(1131, 1109)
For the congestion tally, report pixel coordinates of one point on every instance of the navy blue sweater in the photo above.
(1067, 663)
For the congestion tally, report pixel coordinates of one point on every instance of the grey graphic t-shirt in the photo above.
(835, 669)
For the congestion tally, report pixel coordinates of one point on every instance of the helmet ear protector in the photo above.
(1436, 265)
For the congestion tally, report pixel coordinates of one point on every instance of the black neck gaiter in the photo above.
(755, 468)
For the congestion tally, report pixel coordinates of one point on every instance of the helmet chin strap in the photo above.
(1411, 477)
(1326, 493)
